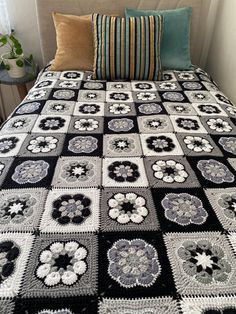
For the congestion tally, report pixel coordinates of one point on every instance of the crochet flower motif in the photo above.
(119, 109)
(168, 86)
(86, 124)
(204, 261)
(52, 123)
(20, 123)
(63, 311)
(186, 76)
(200, 96)
(67, 84)
(121, 144)
(28, 108)
(129, 207)
(62, 263)
(122, 171)
(223, 99)
(160, 143)
(89, 95)
(16, 208)
(64, 94)
(72, 75)
(44, 84)
(169, 171)
(219, 125)
(93, 85)
(151, 108)
(231, 110)
(133, 263)
(77, 171)
(7, 144)
(30, 171)
(173, 96)
(215, 171)
(229, 144)
(83, 144)
(37, 94)
(192, 85)
(180, 108)
(209, 109)
(143, 86)
(71, 209)
(121, 125)
(184, 209)
(198, 144)
(9, 252)
(155, 123)
(42, 144)
(89, 108)
(146, 96)
(187, 124)
(58, 107)
(119, 96)
(227, 202)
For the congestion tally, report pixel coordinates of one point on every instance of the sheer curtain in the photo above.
(5, 27)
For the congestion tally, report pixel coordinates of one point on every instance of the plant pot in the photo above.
(14, 70)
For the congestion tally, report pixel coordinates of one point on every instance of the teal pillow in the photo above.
(175, 46)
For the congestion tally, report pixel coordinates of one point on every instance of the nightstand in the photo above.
(19, 82)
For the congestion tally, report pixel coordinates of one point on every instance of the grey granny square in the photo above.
(192, 282)
(67, 84)
(118, 86)
(91, 95)
(144, 222)
(62, 107)
(22, 209)
(86, 284)
(222, 201)
(155, 124)
(6, 306)
(199, 96)
(209, 148)
(77, 172)
(174, 108)
(211, 124)
(19, 124)
(115, 145)
(189, 179)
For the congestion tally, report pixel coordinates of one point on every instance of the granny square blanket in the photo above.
(119, 197)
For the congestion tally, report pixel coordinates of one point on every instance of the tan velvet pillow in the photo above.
(74, 42)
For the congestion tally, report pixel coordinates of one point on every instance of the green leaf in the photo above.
(3, 40)
(20, 63)
(7, 66)
(18, 51)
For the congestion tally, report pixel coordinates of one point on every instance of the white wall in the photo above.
(23, 19)
(221, 61)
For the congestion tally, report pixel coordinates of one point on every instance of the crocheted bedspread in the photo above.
(119, 197)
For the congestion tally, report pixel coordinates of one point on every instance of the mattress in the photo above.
(119, 197)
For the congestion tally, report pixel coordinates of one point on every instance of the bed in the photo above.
(118, 197)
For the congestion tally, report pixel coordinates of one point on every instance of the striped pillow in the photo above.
(127, 48)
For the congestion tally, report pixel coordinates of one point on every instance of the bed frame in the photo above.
(199, 28)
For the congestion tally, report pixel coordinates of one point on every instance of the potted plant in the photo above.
(13, 60)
